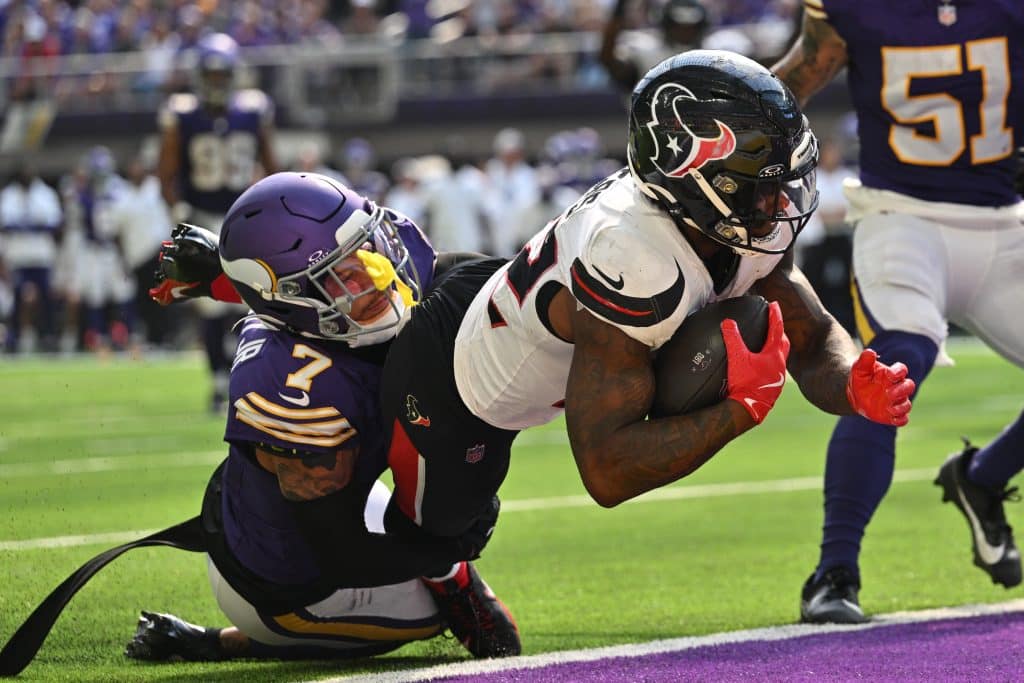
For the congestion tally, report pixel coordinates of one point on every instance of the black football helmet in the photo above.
(721, 143)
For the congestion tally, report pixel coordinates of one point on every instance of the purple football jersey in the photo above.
(938, 88)
(291, 394)
(218, 152)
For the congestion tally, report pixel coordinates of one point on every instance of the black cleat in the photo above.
(166, 638)
(477, 618)
(992, 538)
(832, 598)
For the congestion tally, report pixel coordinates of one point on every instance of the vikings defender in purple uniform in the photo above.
(938, 87)
(215, 142)
(299, 558)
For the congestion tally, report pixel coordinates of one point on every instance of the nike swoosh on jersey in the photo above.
(989, 554)
(302, 401)
(616, 284)
(620, 309)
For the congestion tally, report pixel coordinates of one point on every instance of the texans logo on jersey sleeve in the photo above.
(680, 152)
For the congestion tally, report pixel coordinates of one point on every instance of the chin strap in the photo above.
(383, 274)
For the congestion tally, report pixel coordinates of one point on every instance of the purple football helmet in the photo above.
(217, 61)
(284, 237)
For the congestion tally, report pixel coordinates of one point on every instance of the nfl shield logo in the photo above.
(475, 454)
(947, 14)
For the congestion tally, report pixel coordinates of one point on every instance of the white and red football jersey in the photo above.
(622, 258)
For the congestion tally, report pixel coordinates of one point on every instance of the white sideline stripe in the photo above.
(674, 493)
(472, 667)
(127, 462)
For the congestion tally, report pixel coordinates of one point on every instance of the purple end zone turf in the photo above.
(984, 648)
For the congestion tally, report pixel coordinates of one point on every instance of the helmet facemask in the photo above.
(763, 214)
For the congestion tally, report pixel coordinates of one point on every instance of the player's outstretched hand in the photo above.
(190, 268)
(880, 392)
(756, 379)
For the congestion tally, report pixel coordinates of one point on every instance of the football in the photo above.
(691, 370)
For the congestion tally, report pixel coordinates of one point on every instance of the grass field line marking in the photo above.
(111, 464)
(111, 538)
(770, 633)
(672, 493)
(705, 491)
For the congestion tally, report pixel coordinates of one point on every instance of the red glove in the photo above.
(756, 379)
(173, 291)
(880, 392)
(189, 268)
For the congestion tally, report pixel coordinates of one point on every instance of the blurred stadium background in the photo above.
(414, 101)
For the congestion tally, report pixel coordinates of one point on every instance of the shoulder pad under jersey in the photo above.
(294, 395)
(630, 280)
(176, 105)
(254, 101)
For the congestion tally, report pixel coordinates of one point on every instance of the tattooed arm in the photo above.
(618, 452)
(818, 54)
(311, 476)
(821, 351)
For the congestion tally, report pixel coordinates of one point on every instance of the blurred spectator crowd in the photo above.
(162, 30)
(101, 26)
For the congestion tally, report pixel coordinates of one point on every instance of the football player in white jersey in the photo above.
(719, 184)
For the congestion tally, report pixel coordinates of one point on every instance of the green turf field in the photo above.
(105, 447)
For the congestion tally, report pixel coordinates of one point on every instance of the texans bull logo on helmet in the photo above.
(677, 155)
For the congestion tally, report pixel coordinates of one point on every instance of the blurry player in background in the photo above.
(302, 565)
(30, 220)
(680, 25)
(456, 204)
(582, 162)
(939, 92)
(214, 143)
(357, 161)
(511, 192)
(141, 221)
(102, 277)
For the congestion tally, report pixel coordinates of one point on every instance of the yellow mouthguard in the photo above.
(382, 272)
